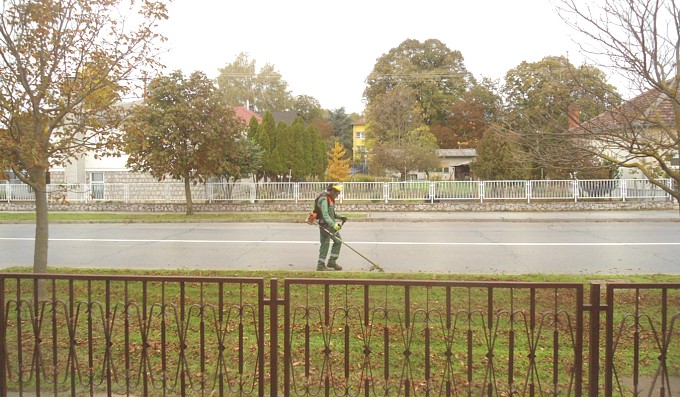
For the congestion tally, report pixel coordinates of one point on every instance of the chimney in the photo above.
(573, 117)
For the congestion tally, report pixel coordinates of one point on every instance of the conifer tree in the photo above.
(263, 138)
(253, 127)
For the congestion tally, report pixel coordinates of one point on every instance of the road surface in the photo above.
(400, 247)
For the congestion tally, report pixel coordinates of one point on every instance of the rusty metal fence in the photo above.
(86, 335)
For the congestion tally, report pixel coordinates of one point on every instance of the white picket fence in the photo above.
(423, 191)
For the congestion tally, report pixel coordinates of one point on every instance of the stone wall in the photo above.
(453, 206)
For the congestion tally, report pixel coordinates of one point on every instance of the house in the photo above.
(88, 169)
(359, 145)
(287, 117)
(644, 124)
(246, 114)
(455, 164)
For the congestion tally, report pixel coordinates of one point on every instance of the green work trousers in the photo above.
(325, 238)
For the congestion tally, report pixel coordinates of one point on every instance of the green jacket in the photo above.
(326, 212)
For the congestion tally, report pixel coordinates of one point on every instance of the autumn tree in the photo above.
(498, 157)
(183, 130)
(464, 125)
(436, 74)
(539, 98)
(415, 152)
(397, 139)
(242, 84)
(64, 65)
(307, 107)
(637, 40)
(246, 160)
(338, 166)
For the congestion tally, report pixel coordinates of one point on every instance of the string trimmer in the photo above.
(374, 266)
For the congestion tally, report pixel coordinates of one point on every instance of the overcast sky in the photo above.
(326, 49)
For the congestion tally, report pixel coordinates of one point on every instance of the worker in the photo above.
(329, 228)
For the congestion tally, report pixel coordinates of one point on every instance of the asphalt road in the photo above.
(605, 248)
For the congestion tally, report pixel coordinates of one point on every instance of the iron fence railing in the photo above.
(92, 335)
(423, 191)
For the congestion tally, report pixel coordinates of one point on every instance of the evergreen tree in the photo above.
(279, 163)
(263, 138)
(296, 149)
(253, 127)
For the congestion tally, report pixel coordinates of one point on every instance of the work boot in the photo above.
(322, 268)
(334, 266)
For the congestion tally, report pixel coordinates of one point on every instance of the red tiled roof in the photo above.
(246, 114)
(651, 107)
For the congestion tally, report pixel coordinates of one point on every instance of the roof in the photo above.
(246, 114)
(286, 116)
(457, 152)
(650, 107)
(360, 121)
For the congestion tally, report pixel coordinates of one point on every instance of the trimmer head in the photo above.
(375, 266)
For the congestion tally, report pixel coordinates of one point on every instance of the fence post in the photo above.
(386, 192)
(274, 337)
(3, 344)
(594, 341)
(432, 191)
(481, 191)
(528, 191)
(575, 184)
(623, 185)
(671, 183)
(253, 193)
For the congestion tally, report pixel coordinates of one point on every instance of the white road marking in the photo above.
(287, 242)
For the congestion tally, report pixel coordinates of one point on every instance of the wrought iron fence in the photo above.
(212, 336)
(427, 191)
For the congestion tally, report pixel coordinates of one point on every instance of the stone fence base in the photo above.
(451, 206)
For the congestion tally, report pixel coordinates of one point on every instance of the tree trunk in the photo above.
(39, 185)
(187, 193)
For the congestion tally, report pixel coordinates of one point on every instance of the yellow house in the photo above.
(359, 144)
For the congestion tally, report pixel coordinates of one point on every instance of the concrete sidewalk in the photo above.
(557, 216)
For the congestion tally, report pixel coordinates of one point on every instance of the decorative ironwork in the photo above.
(431, 338)
(207, 336)
(133, 335)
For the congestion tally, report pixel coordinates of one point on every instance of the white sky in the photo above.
(326, 49)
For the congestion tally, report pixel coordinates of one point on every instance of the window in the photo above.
(97, 185)
(360, 135)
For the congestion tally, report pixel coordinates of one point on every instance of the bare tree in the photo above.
(65, 65)
(638, 40)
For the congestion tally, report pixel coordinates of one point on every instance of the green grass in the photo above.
(308, 302)
(161, 217)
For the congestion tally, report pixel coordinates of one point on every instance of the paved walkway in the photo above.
(558, 216)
